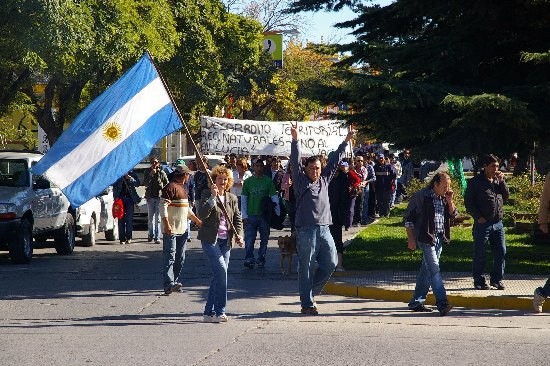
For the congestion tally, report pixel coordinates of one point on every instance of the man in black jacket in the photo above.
(483, 199)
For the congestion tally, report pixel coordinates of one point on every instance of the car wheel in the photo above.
(88, 240)
(20, 246)
(65, 236)
(112, 235)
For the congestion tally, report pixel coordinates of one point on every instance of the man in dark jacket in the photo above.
(154, 181)
(483, 199)
(428, 223)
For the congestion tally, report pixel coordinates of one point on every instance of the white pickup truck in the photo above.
(31, 207)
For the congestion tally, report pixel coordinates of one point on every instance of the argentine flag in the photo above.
(114, 133)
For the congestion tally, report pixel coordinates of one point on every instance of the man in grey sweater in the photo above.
(313, 240)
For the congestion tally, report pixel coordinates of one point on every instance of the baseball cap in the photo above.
(181, 169)
(381, 156)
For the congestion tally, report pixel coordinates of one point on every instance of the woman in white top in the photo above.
(239, 175)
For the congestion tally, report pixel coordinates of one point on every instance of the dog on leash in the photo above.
(287, 247)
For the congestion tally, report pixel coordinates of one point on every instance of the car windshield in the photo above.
(14, 173)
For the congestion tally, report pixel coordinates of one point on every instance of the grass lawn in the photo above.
(383, 246)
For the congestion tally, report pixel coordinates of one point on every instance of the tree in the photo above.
(271, 14)
(217, 48)
(450, 78)
(76, 48)
(296, 91)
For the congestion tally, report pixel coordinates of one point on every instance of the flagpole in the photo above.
(202, 159)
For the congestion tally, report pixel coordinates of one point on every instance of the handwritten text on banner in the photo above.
(225, 136)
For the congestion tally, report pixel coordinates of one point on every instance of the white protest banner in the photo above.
(225, 136)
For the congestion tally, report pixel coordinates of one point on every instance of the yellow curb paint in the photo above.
(473, 302)
(340, 288)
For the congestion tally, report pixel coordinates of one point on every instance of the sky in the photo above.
(322, 25)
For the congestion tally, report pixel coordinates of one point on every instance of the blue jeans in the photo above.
(254, 224)
(153, 217)
(494, 233)
(365, 209)
(127, 221)
(173, 255)
(314, 244)
(429, 275)
(218, 256)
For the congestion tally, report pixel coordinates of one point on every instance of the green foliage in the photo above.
(75, 49)
(217, 52)
(296, 91)
(71, 47)
(524, 197)
(9, 132)
(383, 246)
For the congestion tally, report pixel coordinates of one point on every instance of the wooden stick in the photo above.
(201, 159)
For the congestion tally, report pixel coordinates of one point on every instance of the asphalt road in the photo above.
(104, 306)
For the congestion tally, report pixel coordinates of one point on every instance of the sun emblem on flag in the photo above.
(112, 131)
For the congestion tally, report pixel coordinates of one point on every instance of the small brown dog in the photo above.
(287, 247)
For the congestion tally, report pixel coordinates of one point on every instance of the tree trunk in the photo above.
(45, 115)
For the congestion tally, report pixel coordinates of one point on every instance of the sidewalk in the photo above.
(398, 286)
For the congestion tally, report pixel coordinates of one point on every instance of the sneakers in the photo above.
(129, 241)
(221, 318)
(309, 311)
(149, 238)
(445, 310)
(538, 301)
(249, 263)
(481, 286)
(175, 287)
(208, 318)
(157, 241)
(215, 318)
(421, 308)
(260, 263)
(498, 285)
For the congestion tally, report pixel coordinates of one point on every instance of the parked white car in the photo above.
(95, 216)
(31, 206)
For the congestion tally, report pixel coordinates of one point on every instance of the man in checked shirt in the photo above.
(427, 222)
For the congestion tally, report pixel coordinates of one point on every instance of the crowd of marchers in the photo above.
(318, 197)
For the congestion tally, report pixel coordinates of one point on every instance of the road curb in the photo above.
(474, 302)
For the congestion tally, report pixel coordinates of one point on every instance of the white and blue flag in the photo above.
(114, 133)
